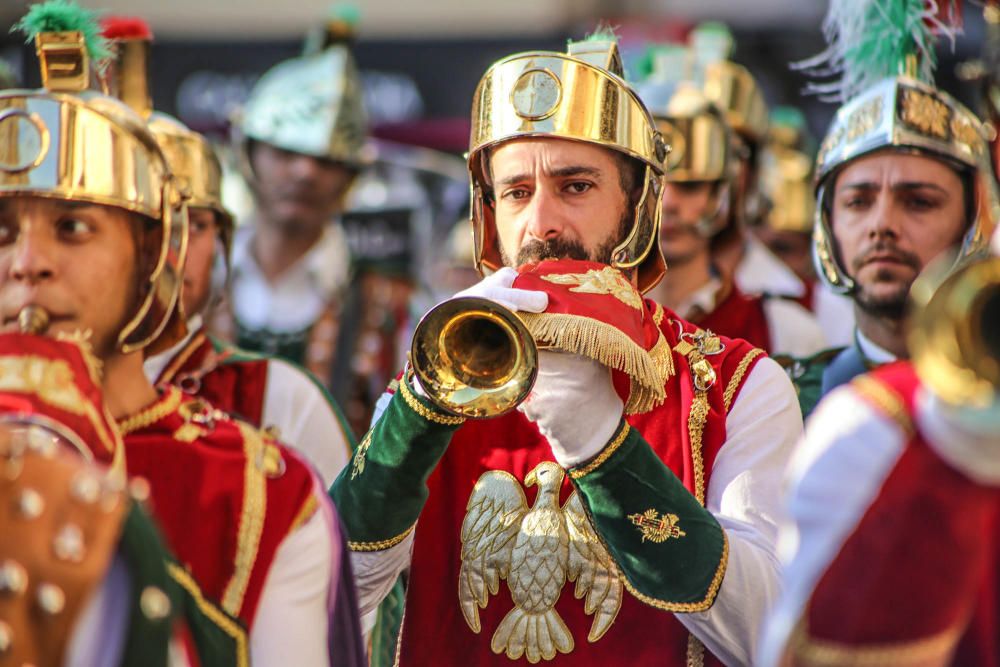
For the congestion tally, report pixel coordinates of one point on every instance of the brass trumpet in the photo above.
(954, 333)
(474, 358)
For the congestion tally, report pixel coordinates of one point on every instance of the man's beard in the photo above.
(891, 306)
(562, 248)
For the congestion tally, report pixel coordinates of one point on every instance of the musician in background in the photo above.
(682, 495)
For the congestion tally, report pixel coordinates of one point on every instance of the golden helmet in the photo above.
(311, 105)
(904, 114)
(786, 181)
(580, 95)
(65, 142)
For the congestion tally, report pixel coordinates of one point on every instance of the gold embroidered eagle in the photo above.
(604, 281)
(536, 550)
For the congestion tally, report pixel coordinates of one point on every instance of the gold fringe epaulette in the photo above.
(648, 370)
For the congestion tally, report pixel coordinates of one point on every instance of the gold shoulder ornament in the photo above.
(536, 550)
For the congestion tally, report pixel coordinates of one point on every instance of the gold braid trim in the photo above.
(688, 607)
(306, 512)
(226, 624)
(695, 652)
(251, 519)
(426, 413)
(623, 430)
(885, 399)
(812, 652)
(180, 359)
(381, 545)
(168, 403)
(608, 345)
(696, 428)
(737, 378)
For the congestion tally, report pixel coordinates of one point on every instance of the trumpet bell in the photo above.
(954, 336)
(474, 358)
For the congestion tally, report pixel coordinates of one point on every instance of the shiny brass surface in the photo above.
(92, 148)
(33, 320)
(568, 96)
(700, 147)
(64, 61)
(901, 113)
(786, 179)
(127, 76)
(733, 90)
(474, 358)
(954, 333)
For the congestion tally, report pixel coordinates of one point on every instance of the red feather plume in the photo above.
(125, 27)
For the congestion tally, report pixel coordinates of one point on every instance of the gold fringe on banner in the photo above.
(608, 345)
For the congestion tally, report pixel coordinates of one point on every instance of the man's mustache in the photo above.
(556, 248)
(883, 251)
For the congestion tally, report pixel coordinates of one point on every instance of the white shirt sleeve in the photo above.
(293, 615)
(793, 329)
(375, 572)
(305, 420)
(848, 450)
(744, 495)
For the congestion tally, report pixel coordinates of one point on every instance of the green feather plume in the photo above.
(602, 33)
(64, 16)
(869, 40)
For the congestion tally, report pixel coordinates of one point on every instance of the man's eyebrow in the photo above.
(903, 185)
(561, 172)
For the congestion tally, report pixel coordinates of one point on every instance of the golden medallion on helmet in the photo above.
(926, 114)
(537, 550)
(536, 94)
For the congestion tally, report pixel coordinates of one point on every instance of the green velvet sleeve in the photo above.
(380, 495)
(671, 550)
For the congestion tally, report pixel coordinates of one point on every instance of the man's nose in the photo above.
(544, 218)
(32, 258)
(886, 218)
(305, 167)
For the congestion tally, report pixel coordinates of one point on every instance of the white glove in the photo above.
(574, 404)
(497, 287)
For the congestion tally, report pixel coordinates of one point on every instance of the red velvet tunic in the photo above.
(434, 629)
(737, 315)
(234, 387)
(923, 556)
(224, 496)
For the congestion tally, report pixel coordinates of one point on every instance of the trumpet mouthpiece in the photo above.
(33, 320)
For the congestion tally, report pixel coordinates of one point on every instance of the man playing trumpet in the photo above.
(666, 507)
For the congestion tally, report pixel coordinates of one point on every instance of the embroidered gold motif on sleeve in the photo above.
(604, 281)
(360, 455)
(536, 550)
(657, 527)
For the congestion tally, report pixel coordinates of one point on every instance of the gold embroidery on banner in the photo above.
(426, 413)
(168, 403)
(821, 653)
(226, 624)
(381, 545)
(188, 432)
(537, 550)
(251, 519)
(926, 114)
(657, 527)
(605, 454)
(360, 455)
(885, 399)
(737, 378)
(604, 281)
